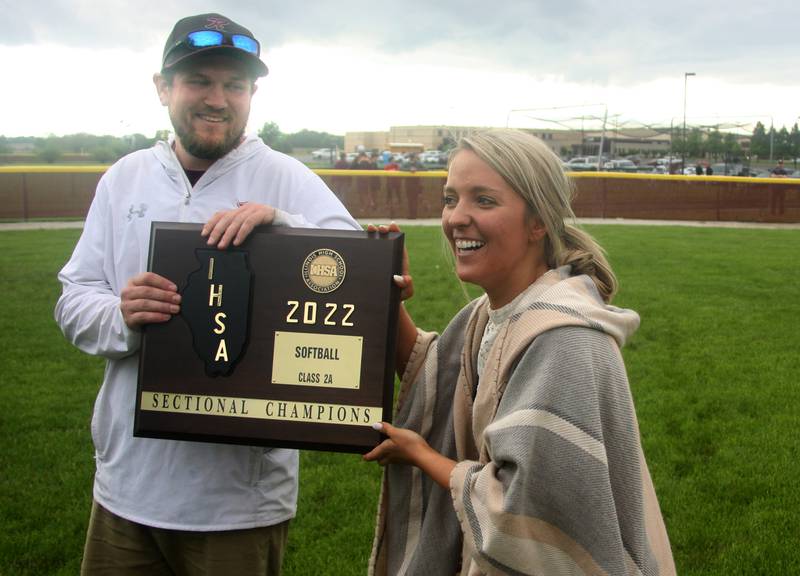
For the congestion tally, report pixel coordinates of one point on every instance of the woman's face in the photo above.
(496, 244)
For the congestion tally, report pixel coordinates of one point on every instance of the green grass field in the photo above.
(713, 371)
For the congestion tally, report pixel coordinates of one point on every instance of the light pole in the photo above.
(683, 148)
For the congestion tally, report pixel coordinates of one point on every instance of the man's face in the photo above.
(209, 104)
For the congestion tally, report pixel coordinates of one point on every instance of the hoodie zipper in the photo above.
(187, 195)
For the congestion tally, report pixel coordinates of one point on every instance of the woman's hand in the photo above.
(407, 447)
(406, 329)
(402, 447)
(404, 280)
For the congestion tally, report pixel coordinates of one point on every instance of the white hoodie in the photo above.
(167, 483)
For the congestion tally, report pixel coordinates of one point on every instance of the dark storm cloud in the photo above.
(623, 42)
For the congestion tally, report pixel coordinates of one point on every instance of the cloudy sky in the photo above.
(86, 65)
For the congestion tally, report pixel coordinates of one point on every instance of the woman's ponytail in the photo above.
(586, 256)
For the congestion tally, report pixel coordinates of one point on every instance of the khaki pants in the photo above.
(115, 546)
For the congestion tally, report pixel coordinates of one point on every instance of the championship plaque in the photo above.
(287, 340)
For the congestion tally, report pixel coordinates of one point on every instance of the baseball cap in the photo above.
(212, 34)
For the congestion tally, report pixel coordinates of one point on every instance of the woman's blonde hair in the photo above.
(535, 173)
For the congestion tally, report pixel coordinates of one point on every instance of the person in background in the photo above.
(709, 170)
(165, 506)
(374, 182)
(364, 184)
(779, 171)
(698, 169)
(341, 184)
(393, 185)
(342, 163)
(515, 447)
(413, 184)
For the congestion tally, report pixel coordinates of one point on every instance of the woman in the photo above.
(515, 448)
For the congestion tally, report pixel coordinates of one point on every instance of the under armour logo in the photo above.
(140, 212)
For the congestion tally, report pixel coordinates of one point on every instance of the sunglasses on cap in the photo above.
(209, 38)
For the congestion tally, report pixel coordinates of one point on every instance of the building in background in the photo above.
(566, 143)
(355, 141)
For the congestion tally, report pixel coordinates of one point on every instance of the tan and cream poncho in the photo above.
(551, 479)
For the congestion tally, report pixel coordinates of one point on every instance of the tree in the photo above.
(782, 144)
(103, 155)
(313, 139)
(731, 146)
(759, 143)
(794, 139)
(49, 150)
(694, 143)
(714, 143)
(448, 143)
(272, 136)
(676, 137)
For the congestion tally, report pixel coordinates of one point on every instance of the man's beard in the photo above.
(206, 150)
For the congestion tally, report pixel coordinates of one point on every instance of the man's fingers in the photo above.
(152, 279)
(210, 224)
(137, 313)
(145, 305)
(234, 226)
(215, 228)
(149, 293)
(223, 226)
(148, 298)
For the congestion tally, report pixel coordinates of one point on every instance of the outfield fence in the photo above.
(41, 192)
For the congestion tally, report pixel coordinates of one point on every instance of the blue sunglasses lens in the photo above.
(245, 43)
(205, 38)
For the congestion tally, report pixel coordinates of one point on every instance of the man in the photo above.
(161, 506)
(779, 171)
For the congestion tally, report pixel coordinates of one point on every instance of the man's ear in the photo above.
(162, 87)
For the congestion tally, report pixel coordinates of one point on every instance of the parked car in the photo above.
(433, 157)
(581, 164)
(620, 165)
(322, 154)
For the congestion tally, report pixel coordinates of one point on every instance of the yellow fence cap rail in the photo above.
(389, 173)
(679, 177)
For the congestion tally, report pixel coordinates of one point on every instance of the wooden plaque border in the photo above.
(169, 367)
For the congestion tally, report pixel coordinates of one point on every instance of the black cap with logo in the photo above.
(209, 34)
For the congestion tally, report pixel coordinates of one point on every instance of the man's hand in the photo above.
(233, 226)
(148, 298)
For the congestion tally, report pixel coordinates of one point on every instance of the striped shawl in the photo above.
(551, 478)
